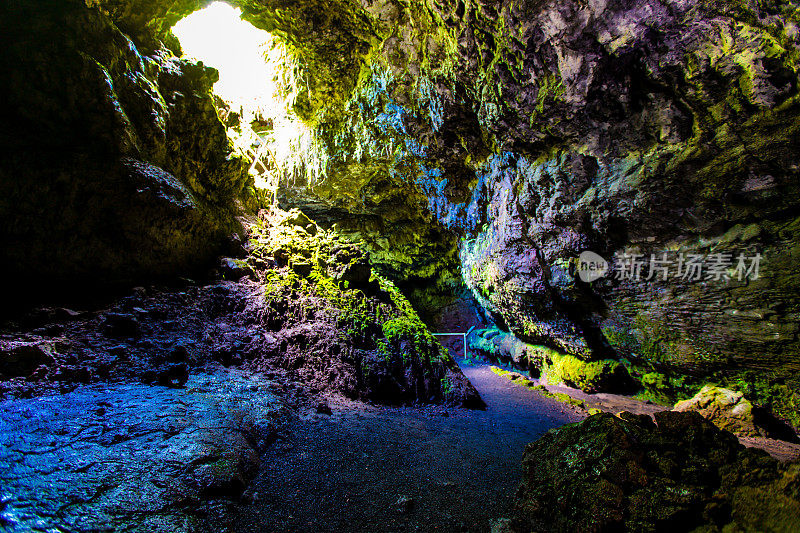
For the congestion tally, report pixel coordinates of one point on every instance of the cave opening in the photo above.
(255, 93)
(235, 266)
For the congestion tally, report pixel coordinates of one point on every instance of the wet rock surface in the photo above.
(628, 473)
(132, 457)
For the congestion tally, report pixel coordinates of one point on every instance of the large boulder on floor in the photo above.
(726, 409)
(23, 358)
(338, 327)
(589, 376)
(501, 347)
(486, 342)
(627, 473)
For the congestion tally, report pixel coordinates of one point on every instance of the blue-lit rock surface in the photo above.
(120, 457)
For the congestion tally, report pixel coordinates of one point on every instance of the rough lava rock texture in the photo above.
(342, 326)
(553, 367)
(151, 413)
(129, 457)
(115, 166)
(643, 128)
(486, 141)
(309, 309)
(538, 130)
(726, 409)
(628, 473)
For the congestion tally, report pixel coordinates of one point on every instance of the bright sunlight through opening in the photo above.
(257, 82)
(218, 37)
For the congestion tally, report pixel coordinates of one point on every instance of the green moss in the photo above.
(763, 390)
(551, 87)
(446, 386)
(650, 346)
(561, 397)
(656, 342)
(656, 388)
(363, 318)
(518, 379)
(502, 372)
(589, 376)
(621, 339)
(539, 356)
(411, 330)
(767, 391)
(665, 390)
(279, 285)
(408, 326)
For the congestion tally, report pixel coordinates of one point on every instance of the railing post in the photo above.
(462, 335)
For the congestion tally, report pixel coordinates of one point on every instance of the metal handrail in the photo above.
(462, 335)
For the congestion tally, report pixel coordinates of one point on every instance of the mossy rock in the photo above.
(627, 473)
(378, 347)
(588, 376)
(726, 409)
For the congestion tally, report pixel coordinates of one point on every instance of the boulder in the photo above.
(233, 269)
(589, 376)
(295, 217)
(22, 358)
(726, 409)
(486, 342)
(120, 325)
(558, 368)
(627, 473)
(126, 456)
(349, 263)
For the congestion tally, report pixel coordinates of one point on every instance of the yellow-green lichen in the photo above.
(590, 376)
(518, 379)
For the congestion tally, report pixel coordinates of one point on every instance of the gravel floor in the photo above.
(371, 469)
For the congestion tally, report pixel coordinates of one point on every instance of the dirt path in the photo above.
(346, 472)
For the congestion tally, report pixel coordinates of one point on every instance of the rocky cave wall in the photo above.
(534, 131)
(486, 141)
(115, 167)
(645, 127)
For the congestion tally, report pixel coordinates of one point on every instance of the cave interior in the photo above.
(400, 265)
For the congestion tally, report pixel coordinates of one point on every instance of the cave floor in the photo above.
(136, 418)
(367, 468)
